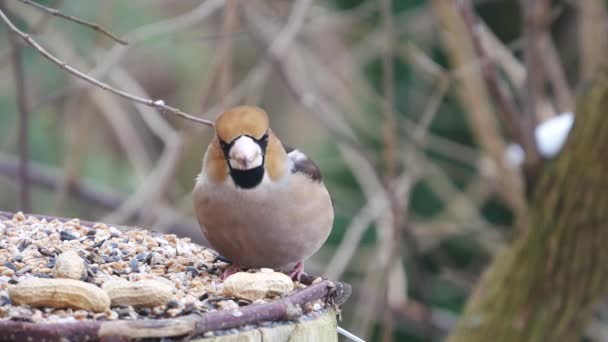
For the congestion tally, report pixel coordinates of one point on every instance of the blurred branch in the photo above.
(421, 130)
(389, 127)
(159, 104)
(377, 205)
(35, 28)
(514, 70)
(77, 131)
(151, 117)
(152, 186)
(446, 147)
(461, 212)
(520, 129)
(157, 181)
(154, 30)
(389, 124)
(500, 54)
(556, 75)
(77, 121)
(535, 20)
(57, 13)
(230, 22)
(23, 131)
(50, 178)
(592, 19)
(291, 68)
(123, 128)
(473, 93)
(289, 65)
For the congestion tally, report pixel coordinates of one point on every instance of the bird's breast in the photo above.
(268, 226)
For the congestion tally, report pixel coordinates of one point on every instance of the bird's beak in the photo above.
(245, 154)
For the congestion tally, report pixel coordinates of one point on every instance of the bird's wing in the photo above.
(302, 164)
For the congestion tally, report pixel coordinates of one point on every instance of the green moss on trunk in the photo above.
(545, 285)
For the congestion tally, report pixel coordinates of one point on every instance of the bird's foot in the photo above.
(297, 271)
(230, 270)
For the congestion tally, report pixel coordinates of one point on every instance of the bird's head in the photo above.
(243, 137)
(248, 145)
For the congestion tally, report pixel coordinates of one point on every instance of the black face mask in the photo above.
(246, 179)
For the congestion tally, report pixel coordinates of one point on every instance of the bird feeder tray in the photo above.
(162, 287)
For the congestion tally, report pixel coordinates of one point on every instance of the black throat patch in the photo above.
(247, 179)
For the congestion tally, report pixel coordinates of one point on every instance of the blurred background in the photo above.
(408, 108)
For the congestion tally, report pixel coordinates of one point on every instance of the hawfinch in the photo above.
(259, 202)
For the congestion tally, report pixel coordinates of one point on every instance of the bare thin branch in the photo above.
(159, 104)
(112, 57)
(57, 13)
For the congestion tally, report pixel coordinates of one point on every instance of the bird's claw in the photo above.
(230, 270)
(297, 271)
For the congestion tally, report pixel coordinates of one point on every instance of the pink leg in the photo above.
(297, 271)
(230, 270)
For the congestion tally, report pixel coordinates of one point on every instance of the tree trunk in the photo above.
(545, 285)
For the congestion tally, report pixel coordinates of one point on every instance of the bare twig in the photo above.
(21, 91)
(57, 13)
(112, 57)
(159, 104)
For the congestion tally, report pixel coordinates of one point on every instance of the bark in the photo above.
(545, 285)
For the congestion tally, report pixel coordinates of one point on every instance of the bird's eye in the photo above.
(263, 141)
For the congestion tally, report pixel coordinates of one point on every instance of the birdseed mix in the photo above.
(29, 247)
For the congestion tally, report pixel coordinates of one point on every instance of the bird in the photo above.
(259, 202)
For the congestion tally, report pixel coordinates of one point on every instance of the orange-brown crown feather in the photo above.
(242, 120)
